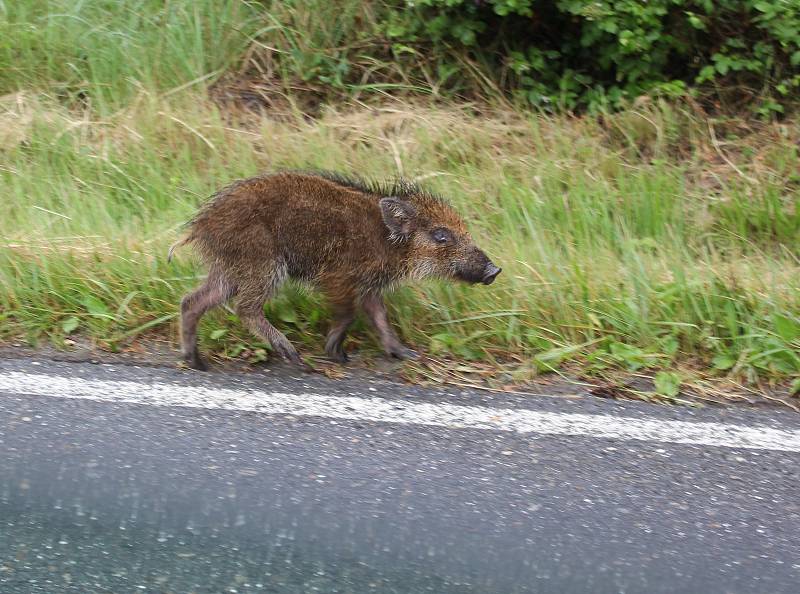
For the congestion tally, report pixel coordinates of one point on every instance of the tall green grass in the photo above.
(651, 238)
(609, 256)
(102, 53)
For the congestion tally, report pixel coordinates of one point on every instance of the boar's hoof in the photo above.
(195, 361)
(403, 353)
(290, 355)
(335, 350)
(337, 355)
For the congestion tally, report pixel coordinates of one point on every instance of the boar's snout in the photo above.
(477, 268)
(490, 273)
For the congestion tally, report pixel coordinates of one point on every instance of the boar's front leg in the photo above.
(376, 310)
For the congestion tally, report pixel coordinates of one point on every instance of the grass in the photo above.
(649, 239)
(101, 53)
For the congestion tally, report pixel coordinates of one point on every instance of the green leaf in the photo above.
(670, 346)
(787, 328)
(706, 73)
(695, 21)
(70, 325)
(723, 362)
(218, 333)
(441, 342)
(396, 30)
(794, 388)
(146, 326)
(287, 315)
(95, 307)
(258, 356)
(555, 356)
(632, 357)
(667, 383)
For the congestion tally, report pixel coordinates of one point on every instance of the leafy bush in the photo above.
(574, 53)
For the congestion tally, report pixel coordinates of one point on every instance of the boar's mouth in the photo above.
(490, 273)
(484, 276)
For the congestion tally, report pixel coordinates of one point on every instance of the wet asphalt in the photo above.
(106, 497)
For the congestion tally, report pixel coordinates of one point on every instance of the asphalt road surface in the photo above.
(125, 479)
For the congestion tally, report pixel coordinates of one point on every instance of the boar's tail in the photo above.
(176, 245)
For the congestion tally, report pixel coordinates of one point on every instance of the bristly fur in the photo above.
(350, 238)
(398, 187)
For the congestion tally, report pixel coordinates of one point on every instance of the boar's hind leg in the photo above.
(215, 291)
(250, 309)
(344, 313)
(376, 310)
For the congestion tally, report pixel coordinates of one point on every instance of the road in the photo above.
(130, 479)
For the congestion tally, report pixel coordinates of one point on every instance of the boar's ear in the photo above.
(398, 215)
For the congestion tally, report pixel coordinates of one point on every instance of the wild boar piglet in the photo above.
(351, 239)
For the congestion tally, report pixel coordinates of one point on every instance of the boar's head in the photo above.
(437, 240)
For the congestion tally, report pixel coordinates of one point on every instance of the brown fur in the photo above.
(350, 239)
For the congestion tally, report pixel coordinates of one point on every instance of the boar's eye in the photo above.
(441, 236)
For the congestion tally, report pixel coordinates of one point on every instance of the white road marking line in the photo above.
(412, 413)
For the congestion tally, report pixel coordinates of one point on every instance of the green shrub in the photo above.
(574, 53)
